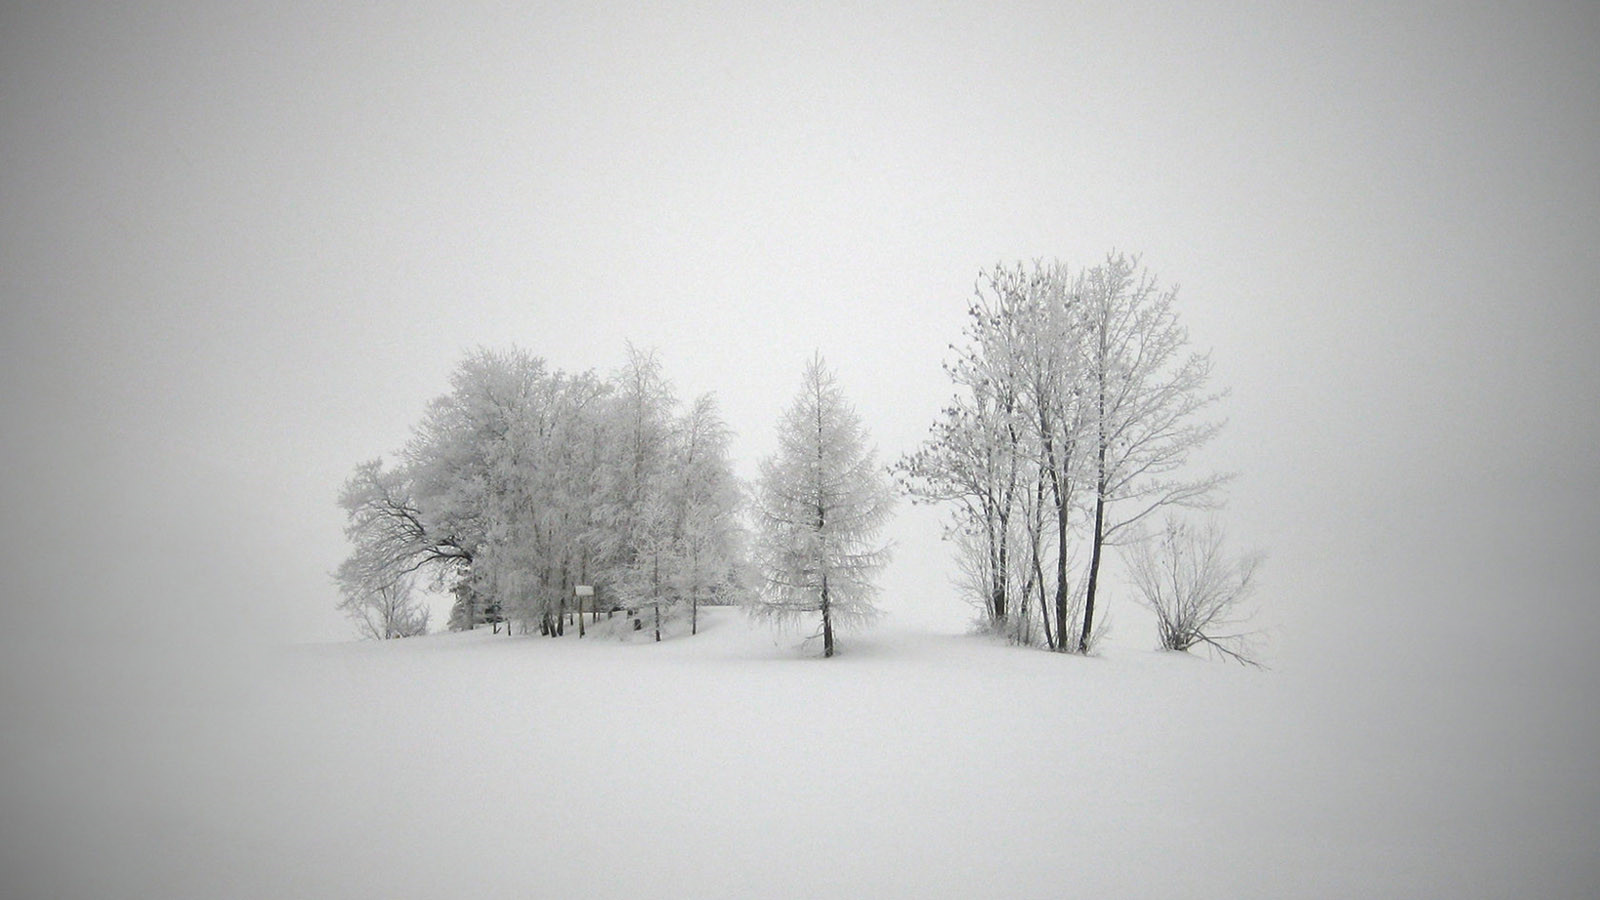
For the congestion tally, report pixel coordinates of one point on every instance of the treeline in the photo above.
(524, 482)
(1078, 403)
(1077, 406)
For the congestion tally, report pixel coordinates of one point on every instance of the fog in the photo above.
(242, 247)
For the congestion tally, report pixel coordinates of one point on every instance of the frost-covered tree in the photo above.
(821, 501)
(389, 532)
(1076, 408)
(1142, 395)
(472, 499)
(973, 460)
(633, 474)
(478, 464)
(1013, 430)
(384, 611)
(1184, 575)
(575, 494)
(1008, 451)
(710, 538)
(523, 481)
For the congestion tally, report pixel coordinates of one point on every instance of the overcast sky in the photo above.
(243, 244)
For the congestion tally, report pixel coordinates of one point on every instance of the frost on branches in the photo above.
(820, 502)
(1077, 406)
(524, 481)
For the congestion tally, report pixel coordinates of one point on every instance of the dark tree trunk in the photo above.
(1001, 575)
(1061, 575)
(1099, 494)
(827, 622)
(1036, 526)
(1094, 572)
(583, 576)
(1094, 578)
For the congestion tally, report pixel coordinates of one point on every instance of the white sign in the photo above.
(584, 590)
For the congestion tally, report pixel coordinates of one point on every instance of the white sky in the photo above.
(241, 245)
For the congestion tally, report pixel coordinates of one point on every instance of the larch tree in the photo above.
(821, 501)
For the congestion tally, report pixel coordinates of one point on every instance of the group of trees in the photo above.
(523, 482)
(1077, 406)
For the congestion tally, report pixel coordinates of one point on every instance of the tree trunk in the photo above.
(694, 612)
(1044, 613)
(827, 622)
(1035, 525)
(1099, 495)
(1099, 492)
(1061, 575)
(1001, 576)
(1094, 574)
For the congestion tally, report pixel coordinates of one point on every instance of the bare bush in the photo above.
(1184, 575)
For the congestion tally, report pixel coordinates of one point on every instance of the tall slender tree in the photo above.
(707, 495)
(1143, 396)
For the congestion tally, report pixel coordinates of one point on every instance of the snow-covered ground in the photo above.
(738, 764)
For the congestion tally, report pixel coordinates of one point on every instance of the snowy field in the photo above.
(736, 764)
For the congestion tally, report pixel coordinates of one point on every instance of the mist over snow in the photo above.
(241, 249)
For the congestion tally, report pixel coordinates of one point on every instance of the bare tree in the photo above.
(1010, 453)
(821, 501)
(385, 611)
(1141, 396)
(1197, 592)
(974, 458)
(1038, 352)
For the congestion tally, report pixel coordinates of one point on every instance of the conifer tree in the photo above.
(820, 502)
